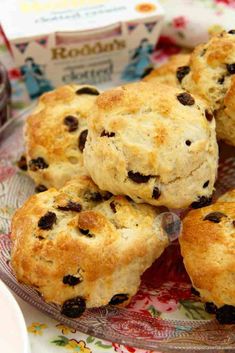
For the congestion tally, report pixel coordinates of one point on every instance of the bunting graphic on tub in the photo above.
(42, 41)
(132, 26)
(150, 26)
(22, 46)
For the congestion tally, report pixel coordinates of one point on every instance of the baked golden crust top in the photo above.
(52, 133)
(166, 73)
(208, 249)
(153, 135)
(106, 241)
(229, 196)
(211, 76)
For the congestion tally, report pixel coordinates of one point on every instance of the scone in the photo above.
(172, 72)
(82, 247)
(229, 196)
(154, 143)
(208, 250)
(55, 135)
(211, 75)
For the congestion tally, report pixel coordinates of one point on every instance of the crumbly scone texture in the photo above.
(229, 196)
(144, 143)
(212, 69)
(52, 135)
(208, 250)
(166, 73)
(107, 245)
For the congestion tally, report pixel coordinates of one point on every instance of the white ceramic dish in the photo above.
(13, 332)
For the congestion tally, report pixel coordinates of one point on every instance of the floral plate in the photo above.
(164, 315)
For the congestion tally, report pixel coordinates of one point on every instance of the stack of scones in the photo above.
(105, 162)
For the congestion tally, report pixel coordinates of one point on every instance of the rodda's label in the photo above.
(100, 42)
(87, 49)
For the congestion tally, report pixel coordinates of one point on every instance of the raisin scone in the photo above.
(208, 249)
(229, 196)
(172, 72)
(55, 135)
(211, 75)
(82, 247)
(154, 143)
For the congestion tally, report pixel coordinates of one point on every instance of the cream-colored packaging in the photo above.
(101, 42)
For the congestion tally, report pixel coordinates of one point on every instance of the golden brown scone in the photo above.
(153, 143)
(229, 196)
(212, 69)
(55, 135)
(167, 73)
(83, 244)
(208, 250)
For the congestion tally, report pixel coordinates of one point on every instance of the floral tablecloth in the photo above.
(188, 22)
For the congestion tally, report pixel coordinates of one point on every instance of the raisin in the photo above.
(206, 184)
(71, 206)
(209, 116)
(71, 122)
(71, 280)
(129, 198)
(37, 163)
(40, 188)
(74, 307)
(40, 237)
(82, 140)
(221, 80)
(185, 98)
(226, 315)
(118, 299)
(214, 217)
(202, 201)
(86, 232)
(210, 308)
(22, 163)
(231, 68)
(203, 52)
(188, 142)
(113, 207)
(46, 222)
(146, 72)
(95, 196)
(181, 72)
(232, 31)
(107, 195)
(108, 134)
(195, 292)
(156, 193)
(138, 178)
(234, 223)
(88, 90)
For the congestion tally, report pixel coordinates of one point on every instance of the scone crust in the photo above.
(209, 78)
(48, 137)
(166, 73)
(208, 251)
(143, 128)
(121, 244)
(229, 196)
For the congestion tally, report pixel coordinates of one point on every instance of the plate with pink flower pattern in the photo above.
(165, 314)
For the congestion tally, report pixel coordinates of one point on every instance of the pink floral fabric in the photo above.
(190, 22)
